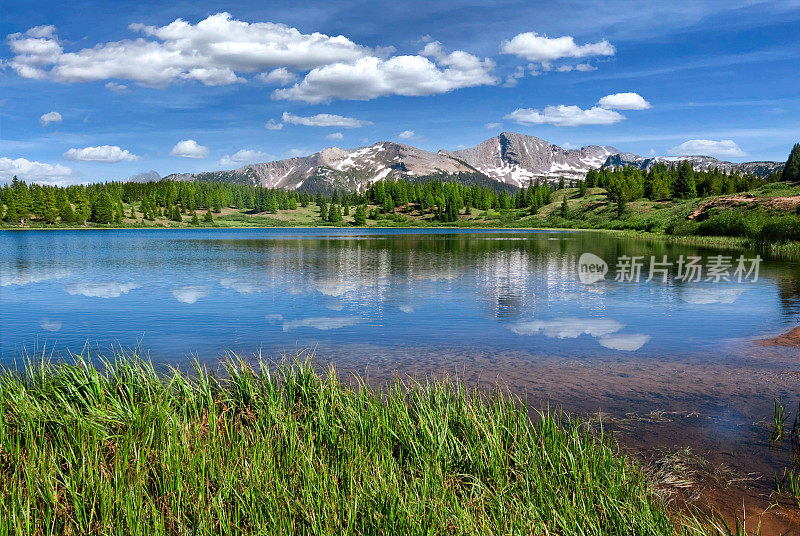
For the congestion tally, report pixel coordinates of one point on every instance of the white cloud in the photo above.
(624, 342)
(624, 101)
(322, 323)
(581, 67)
(539, 48)
(273, 125)
(50, 117)
(242, 286)
(295, 153)
(116, 88)
(493, 126)
(565, 116)
(35, 171)
(706, 296)
(220, 50)
(280, 76)
(274, 318)
(190, 293)
(101, 289)
(371, 77)
(104, 153)
(212, 52)
(50, 325)
(324, 120)
(335, 136)
(568, 328)
(406, 135)
(707, 148)
(245, 156)
(189, 149)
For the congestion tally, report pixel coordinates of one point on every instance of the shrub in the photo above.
(683, 228)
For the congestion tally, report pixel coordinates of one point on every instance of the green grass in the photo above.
(288, 450)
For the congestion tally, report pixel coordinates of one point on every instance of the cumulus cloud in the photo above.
(406, 135)
(322, 322)
(707, 148)
(215, 51)
(335, 136)
(35, 171)
(706, 296)
(220, 50)
(50, 117)
(624, 101)
(565, 116)
(50, 325)
(101, 289)
(624, 342)
(104, 153)
(493, 126)
(189, 149)
(116, 88)
(273, 125)
(190, 293)
(280, 76)
(324, 120)
(542, 49)
(245, 156)
(568, 328)
(412, 75)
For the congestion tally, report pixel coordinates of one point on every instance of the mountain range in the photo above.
(510, 159)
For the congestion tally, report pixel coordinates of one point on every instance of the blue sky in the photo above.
(103, 90)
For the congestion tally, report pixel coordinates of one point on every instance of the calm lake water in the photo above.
(490, 305)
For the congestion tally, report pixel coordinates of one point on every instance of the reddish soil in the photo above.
(790, 339)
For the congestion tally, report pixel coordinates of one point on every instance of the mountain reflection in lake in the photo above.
(489, 305)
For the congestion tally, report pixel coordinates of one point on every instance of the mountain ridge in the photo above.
(510, 158)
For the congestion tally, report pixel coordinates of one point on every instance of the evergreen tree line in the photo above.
(667, 182)
(104, 202)
(446, 200)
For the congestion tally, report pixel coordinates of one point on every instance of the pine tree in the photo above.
(103, 209)
(12, 210)
(582, 188)
(360, 215)
(323, 211)
(335, 214)
(195, 219)
(685, 186)
(208, 218)
(50, 212)
(791, 171)
(564, 211)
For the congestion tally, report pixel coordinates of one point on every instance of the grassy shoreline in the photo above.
(289, 450)
(789, 249)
